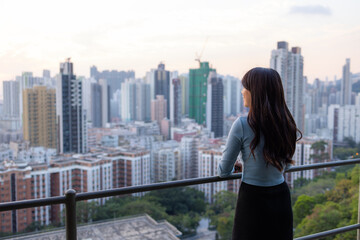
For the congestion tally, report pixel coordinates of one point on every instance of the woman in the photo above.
(267, 140)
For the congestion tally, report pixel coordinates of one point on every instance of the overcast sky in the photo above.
(137, 35)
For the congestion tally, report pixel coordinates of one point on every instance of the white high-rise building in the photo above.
(305, 155)
(189, 163)
(208, 162)
(142, 101)
(135, 100)
(11, 92)
(232, 95)
(290, 64)
(127, 100)
(105, 103)
(165, 160)
(344, 121)
(87, 95)
(346, 84)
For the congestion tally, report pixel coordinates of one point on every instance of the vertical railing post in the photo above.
(358, 231)
(70, 223)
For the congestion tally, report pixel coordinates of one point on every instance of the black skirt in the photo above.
(263, 213)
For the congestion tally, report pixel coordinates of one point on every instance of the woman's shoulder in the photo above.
(242, 121)
(239, 124)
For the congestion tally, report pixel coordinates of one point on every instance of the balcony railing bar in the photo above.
(330, 232)
(71, 197)
(32, 203)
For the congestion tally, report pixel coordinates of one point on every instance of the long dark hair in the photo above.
(269, 116)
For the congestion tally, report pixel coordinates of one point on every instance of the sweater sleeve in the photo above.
(232, 149)
(287, 167)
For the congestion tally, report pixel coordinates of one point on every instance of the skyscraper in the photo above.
(11, 92)
(289, 64)
(39, 116)
(27, 80)
(184, 94)
(197, 92)
(142, 101)
(215, 105)
(71, 118)
(159, 80)
(346, 84)
(175, 101)
(231, 99)
(135, 101)
(96, 105)
(114, 79)
(105, 102)
(159, 113)
(158, 108)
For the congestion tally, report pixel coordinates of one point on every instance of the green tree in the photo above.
(86, 211)
(345, 153)
(179, 200)
(186, 223)
(324, 217)
(141, 206)
(315, 187)
(221, 213)
(335, 208)
(349, 141)
(303, 207)
(225, 224)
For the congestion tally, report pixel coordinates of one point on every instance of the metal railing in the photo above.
(71, 197)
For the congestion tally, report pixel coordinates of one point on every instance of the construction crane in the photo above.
(198, 57)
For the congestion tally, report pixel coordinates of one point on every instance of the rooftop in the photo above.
(133, 228)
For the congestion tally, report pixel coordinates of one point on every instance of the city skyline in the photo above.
(125, 36)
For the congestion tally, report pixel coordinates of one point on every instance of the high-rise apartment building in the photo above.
(105, 102)
(289, 64)
(215, 105)
(159, 113)
(158, 108)
(11, 92)
(232, 95)
(131, 167)
(305, 154)
(135, 101)
(96, 105)
(165, 161)
(175, 101)
(344, 121)
(346, 84)
(27, 80)
(159, 80)
(142, 101)
(198, 82)
(71, 117)
(113, 77)
(114, 80)
(39, 116)
(208, 162)
(189, 156)
(184, 82)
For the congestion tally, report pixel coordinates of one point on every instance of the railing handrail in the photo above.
(71, 197)
(154, 186)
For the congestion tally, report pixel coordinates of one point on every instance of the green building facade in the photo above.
(197, 92)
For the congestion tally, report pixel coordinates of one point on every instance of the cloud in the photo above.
(311, 10)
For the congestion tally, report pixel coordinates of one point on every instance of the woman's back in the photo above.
(255, 171)
(267, 140)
